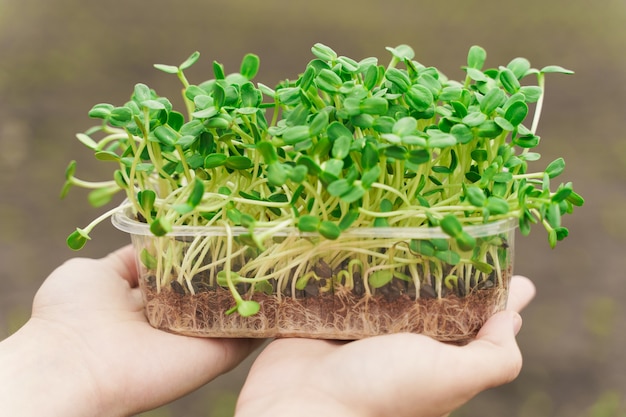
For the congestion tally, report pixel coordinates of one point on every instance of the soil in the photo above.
(340, 315)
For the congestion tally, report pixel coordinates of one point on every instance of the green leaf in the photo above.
(380, 278)
(70, 170)
(555, 168)
(476, 75)
(474, 119)
(419, 98)
(418, 156)
(190, 61)
(374, 105)
(476, 57)
(423, 247)
(348, 219)
(295, 134)
(516, 112)
(276, 174)
(519, 67)
(339, 187)
(170, 69)
(267, 151)
(328, 81)
(176, 120)
(205, 113)
(531, 92)
(405, 126)
(369, 156)
(462, 133)
(146, 199)
(370, 176)
(142, 92)
(576, 199)
(77, 239)
(341, 147)
(355, 193)
(249, 66)
(439, 139)
(504, 124)
(451, 225)
(552, 238)
(247, 308)
(160, 226)
(297, 173)
(197, 193)
(324, 52)
(465, 241)
(527, 141)
(101, 111)
(348, 65)
(475, 196)
(483, 267)
(238, 162)
(218, 70)
(553, 215)
(319, 123)
(250, 98)
(488, 129)
(402, 52)
(166, 135)
(497, 205)
(147, 259)
(562, 193)
(215, 160)
(371, 77)
(308, 223)
(504, 177)
(399, 78)
(120, 116)
(107, 156)
(492, 100)
(449, 257)
(555, 69)
(509, 81)
(396, 152)
(329, 230)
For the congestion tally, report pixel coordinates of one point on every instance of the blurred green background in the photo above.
(58, 58)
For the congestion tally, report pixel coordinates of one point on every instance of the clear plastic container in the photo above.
(368, 282)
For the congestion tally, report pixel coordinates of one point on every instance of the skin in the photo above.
(396, 375)
(88, 350)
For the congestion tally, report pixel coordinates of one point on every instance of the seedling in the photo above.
(349, 145)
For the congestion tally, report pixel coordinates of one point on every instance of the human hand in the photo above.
(395, 375)
(88, 349)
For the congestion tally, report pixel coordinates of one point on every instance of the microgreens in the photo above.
(348, 144)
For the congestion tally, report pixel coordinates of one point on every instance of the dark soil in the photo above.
(340, 315)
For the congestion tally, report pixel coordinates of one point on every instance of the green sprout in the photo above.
(346, 145)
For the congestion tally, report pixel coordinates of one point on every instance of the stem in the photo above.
(105, 216)
(539, 106)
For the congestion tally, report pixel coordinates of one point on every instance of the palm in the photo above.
(399, 375)
(104, 326)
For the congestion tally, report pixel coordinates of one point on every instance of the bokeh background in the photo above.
(58, 58)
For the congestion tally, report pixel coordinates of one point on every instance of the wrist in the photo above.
(41, 374)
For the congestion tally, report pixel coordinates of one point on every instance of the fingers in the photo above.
(494, 357)
(123, 262)
(521, 292)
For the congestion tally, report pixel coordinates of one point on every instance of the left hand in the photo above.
(90, 331)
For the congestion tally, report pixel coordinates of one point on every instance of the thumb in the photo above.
(495, 349)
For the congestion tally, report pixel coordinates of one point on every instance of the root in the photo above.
(340, 316)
